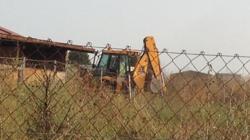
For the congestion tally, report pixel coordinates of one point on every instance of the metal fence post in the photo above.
(129, 86)
(21, 70)
(55, 65)
(66, 64)
(101, 76)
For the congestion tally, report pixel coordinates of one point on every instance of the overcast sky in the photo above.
(194, 25)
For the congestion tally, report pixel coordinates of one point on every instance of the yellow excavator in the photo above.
(132, 69)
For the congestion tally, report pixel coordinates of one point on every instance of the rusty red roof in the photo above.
(7, 31)
(6, 34)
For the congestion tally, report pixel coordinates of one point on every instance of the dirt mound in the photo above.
(192, 85)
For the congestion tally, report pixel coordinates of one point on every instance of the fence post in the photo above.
(55, 66)
(66, 64)
(163, 88)
(129, 86)
(21, 70)
(101, 76)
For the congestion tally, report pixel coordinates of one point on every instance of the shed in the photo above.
(28, 54)
(13, 45)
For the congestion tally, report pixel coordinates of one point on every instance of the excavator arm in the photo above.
(148, 61)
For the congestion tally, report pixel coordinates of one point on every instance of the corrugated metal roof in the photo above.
(7, 31)
(7, 35)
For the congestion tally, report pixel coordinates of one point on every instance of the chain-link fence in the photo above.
(206, 97)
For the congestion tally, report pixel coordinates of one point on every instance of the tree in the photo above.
(76, 57)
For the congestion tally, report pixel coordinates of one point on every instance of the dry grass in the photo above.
(75, 109)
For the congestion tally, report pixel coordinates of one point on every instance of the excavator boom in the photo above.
(149, 61)
(152, 52)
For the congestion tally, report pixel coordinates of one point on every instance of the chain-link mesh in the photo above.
(206, 97)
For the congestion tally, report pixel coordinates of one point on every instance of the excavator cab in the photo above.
(115, 66)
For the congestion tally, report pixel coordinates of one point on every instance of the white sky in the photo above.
(194, 25)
